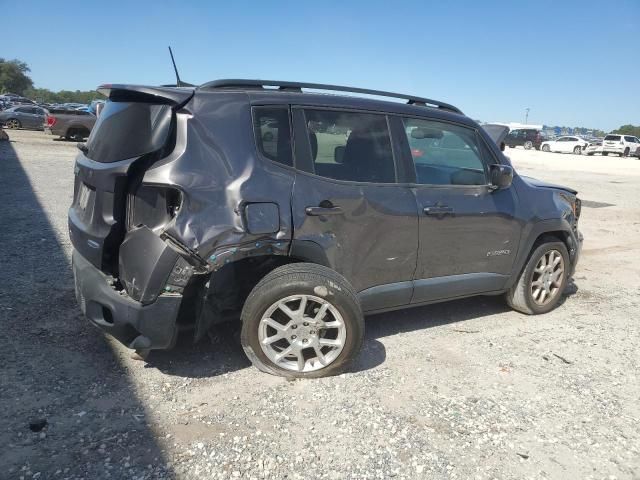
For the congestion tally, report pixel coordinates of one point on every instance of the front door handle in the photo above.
(317, 211)
(438, 210)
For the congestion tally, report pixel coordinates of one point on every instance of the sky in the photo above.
(572, 63)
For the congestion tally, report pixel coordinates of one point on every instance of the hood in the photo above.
(540, 184)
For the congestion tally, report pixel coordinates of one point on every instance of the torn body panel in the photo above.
(161, 224)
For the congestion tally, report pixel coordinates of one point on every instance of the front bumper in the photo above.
(137, 326)
(575, 248)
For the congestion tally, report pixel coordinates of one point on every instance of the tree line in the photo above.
(14, 78)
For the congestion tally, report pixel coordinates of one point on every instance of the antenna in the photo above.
(179, 82)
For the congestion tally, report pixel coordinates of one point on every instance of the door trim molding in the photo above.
(394, 296)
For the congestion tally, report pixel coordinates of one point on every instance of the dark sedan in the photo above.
(23, 116)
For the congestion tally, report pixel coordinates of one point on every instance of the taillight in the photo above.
(51, 120)
(416, 152)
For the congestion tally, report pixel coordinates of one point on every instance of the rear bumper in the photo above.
(137, 326)
(612, 149)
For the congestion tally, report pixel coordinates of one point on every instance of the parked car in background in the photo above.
(593, 147)
(623, 145)
(69, 124)
(525, 137)
(23, 116)
(565, 145)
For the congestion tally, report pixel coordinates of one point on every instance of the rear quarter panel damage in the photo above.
(218, 187)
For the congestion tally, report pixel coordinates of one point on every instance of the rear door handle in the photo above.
(439, 210)
(317, 211)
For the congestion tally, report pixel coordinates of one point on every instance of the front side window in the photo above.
(273, 133)
(445, 154)
(350, 146)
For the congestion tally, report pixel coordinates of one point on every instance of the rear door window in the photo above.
(350, 146)
(272, 130)
(129, 129)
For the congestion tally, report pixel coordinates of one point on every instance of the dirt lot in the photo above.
(467, 389)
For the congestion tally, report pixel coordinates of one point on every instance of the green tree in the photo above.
(13, 76)
(628, 130)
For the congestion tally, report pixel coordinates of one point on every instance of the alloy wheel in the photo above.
(302, 333)
(547, 277)
(13, 123)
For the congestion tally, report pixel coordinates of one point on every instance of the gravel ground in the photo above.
(466, 389)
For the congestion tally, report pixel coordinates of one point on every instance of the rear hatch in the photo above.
(135, 128)
(612, 141)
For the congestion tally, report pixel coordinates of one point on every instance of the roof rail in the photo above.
(298, 86)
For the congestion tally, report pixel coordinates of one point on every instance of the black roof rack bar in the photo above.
(298, 86)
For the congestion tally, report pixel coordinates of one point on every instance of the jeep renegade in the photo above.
(298, 213)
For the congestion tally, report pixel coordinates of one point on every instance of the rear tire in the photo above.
(625, 153)
(528, 145)
(302, 321)
(77, 134)
(577, 151)
(542, 281)
(546, 148)
(13, 123)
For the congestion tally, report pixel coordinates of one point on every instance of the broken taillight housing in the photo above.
(152, 206)
(51, 120)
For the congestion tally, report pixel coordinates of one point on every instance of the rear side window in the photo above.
(128, 129)
(273, 133)
(612, 137)
(445, 154)
(630, 139)
(350, 146)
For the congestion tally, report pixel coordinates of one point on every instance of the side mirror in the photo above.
(501, 176)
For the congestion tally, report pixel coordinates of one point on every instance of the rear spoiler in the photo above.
(167, 95)
(497, 133)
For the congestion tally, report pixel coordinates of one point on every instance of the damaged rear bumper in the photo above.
(138, 326)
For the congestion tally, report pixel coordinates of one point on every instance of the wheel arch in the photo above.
(541, 232)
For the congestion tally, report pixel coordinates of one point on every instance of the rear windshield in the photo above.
(612, 137)
(128, 129)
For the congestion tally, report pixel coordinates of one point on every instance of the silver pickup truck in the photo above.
(69, 124)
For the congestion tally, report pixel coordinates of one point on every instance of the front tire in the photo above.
(528, 145)
(546, 148)
(625, 153)
(302, 321)
(542, 281)
(604, 154)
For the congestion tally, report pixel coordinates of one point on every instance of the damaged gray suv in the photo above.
(298, 213)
